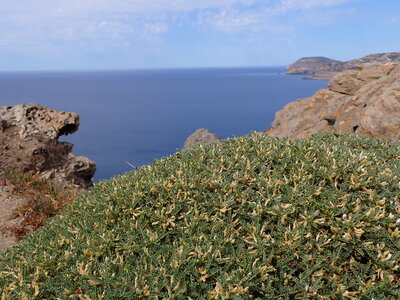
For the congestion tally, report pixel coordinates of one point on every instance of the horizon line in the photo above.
(136, 69)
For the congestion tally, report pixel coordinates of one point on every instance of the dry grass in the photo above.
(44, 199)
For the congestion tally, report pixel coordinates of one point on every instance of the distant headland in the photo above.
(326, 68)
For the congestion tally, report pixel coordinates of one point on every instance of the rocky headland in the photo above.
(322, 68)
(308, 65)
(362, 101)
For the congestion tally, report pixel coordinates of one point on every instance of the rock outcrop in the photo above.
(308, 65)
(202, 136)
(363, 101)
(29, 144)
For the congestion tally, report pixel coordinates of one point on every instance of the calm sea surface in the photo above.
(140, 115)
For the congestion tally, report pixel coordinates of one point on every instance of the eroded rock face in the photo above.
(202, 136)
(29, 144)
(363, 101)
(34, 120)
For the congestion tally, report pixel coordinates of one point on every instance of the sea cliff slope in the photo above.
(363, 101)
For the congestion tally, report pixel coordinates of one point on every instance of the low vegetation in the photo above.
(44, 199)
(254, 218)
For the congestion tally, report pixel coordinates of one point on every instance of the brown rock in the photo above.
(349, 82)
(29, 144)
(364, 101)
(34, 120)
(202, 136)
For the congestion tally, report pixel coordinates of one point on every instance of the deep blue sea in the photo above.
(141, 115)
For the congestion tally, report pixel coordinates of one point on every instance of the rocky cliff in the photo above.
(308, 65)
(29, 144)
(363, 101)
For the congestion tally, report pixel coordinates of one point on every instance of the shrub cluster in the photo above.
(254, 218)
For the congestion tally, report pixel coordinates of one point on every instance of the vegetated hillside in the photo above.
(326, 68)
(307, 65)
(253, 218)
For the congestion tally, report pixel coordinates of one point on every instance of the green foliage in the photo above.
(254, 218)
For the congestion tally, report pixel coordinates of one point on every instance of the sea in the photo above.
(132, 117)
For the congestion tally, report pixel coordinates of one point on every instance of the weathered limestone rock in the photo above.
(364, 101)
(202, 136)
(34, 120)
(29, 144)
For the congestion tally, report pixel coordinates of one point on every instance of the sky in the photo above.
(131, 34)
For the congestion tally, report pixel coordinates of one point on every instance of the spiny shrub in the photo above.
(254, 218)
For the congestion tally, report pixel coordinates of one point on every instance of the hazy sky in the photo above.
(115, 34)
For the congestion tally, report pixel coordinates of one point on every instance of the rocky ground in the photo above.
(8, 204)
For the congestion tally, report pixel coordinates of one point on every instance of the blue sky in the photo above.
(125, 34)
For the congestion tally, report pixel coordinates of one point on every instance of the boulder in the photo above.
(349, 82)
(363, 101)
(202, 136)
(29, 144)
